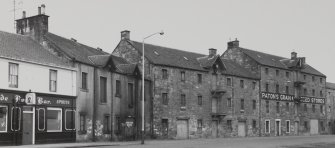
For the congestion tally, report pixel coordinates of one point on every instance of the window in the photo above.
(54, 119)
(229, 125)
(287, 106)
(199, 78)
(287, 126)
(253, 85)
(70, 119)
(199, 100)
(313, 108)
(321, 109)
(305, 107)
(16, 118)
(13, 76)
(82, 123)
(306, 125)
(321, 94)
(267, 87)
(320, 80)
(253, 104)
(267, 126)
(229, 82)
(164, 74)
(322, 126)
(313, 78)
(254, 124)
(182, 100)
(84, 80)
(305, 91)
(117, 125)
(287, 91)
(103, 90)
(3, 118)
(242, 104)
(277, 72)
(182, 76)
(277, 88)
(229, 102)
(277, 107)
(106, 124)
(304, 77)
(242, 83)
(130, 95)
(165, 99)
(41, 119)
(266, 71)
(267, 106)
(313, 92)
(118, 88)
(287, 74)
(199, 125)
(53, 81)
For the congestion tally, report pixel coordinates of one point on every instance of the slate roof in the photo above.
(276, 61)
(24, 48)
(330, 85)
(189, 60)
(121, 65)
(75, 50)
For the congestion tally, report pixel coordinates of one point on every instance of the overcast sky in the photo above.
(276, 27)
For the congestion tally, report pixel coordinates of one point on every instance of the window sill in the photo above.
(183, 108)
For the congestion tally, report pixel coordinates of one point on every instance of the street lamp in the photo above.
(143, 73)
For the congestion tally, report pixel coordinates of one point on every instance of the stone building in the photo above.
(104, 83)
(292, 92)
(330, 89)
(194, 95)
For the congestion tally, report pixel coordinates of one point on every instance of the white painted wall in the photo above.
(35, 77)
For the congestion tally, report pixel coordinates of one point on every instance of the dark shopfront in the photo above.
(29, 118)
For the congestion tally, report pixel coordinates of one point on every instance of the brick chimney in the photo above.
(233, 44)
(293, 55)
(125, 35)
(212, 52)
(35, 26)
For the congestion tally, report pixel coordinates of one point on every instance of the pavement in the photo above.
(319, 141)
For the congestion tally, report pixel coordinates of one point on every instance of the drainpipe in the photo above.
(94, 102)
(260, 106)
(112, 108)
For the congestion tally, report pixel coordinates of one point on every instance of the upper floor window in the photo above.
(313, 92)
(253, 104)
(164, 73)
(53, 81)
(131, 94)
(321, 80)
(199, 78)
(229, 102)
(267, 105)
(182, 100)
(182, 76)
(242, 83)
(13, 75)
(277, 107)
(287, 74)
(165, 98)
(103, 90)
(321, 93)
(229, 82)
(277, 72)
(267, 71)
(84, 80)
(242, 104)
(253, 85)
(313, 78)
(118, 88)
(287, 90)
(305, 77)
(305, 91)
(305, 107)
(277, 88)
(267, 87)
(199, 100)
(313, 108)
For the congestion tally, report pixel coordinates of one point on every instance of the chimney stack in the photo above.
(233, 44)
(39, 10)
(24, 14)
(125, 35)
(43, 9)
(293, 55)
(212, 52)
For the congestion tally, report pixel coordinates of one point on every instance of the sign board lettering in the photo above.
(11, 98)
(54, 101)
(285, 97)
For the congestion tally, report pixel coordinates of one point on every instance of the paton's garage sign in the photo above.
(285, 97)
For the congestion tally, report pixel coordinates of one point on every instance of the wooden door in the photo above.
(27, 129)
(314, 126)
(277, 128)
(214, 128)
(241, 129)
(182, 129)
(165, 127)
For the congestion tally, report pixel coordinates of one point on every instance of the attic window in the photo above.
(156, 53)
(185, 58)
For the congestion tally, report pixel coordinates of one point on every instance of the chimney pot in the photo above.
(43, 9)
(24, 14)
(39, 10)
(212, 52)
(233, 44)
(125, 35)
(293, 55)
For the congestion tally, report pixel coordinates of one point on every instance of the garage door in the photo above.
(241, 129)
(182, 129)
(314, 126)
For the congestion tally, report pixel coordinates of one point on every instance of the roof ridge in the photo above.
(262, 52)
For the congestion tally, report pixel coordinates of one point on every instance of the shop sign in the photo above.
(30, 98)
(312, 100)
(11, 98)
(277, 97)
(54, 101)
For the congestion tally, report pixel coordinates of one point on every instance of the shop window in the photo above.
(199, 78)
(199, 125)
(103, 90)
(267, 106)
(118, 88)
(82, 123)
(267, 126)
(13, 77)
(84, 80)
(253, 104)
(199, 100)
(164, 74)
(287, 126)
(16, 116)
(106, 125)
(41, 119)
(53, 81)
(182, 76)
(229, 102)
(229, 82)
(3, 118)
(229, 125)
(165, 98)
(54, 119)
(130, 95)
(70, 119)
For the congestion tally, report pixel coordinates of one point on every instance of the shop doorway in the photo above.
(28, 125)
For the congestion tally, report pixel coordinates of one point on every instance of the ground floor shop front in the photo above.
(33, 118)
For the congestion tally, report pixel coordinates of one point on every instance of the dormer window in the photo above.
(186, 58)
(156, 53)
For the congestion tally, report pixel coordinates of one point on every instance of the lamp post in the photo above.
(143, 73)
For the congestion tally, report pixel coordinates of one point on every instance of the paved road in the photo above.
(323, 141)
